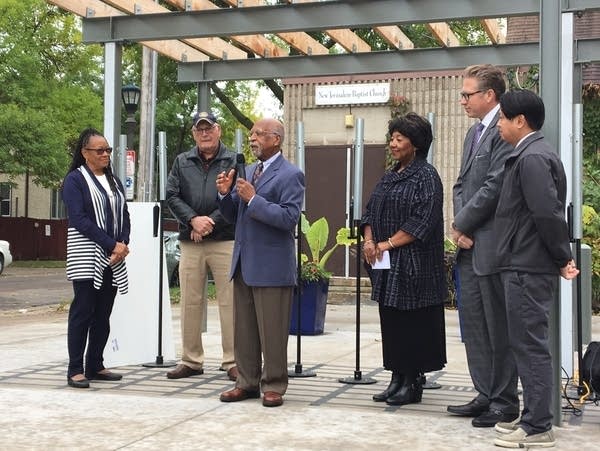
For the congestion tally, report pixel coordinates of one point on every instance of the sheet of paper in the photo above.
(384, 263)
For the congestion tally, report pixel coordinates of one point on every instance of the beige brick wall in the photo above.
(428, 92)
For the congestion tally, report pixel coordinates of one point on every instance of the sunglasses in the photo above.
(101, 150)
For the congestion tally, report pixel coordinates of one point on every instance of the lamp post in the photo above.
(131, 98)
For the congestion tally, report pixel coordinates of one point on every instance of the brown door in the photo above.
(326, 192)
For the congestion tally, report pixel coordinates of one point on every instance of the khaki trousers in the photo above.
(196, 259)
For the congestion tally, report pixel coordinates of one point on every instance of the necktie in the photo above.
(257, 173)
(476, 137)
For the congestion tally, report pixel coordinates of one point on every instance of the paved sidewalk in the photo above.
(147, 411)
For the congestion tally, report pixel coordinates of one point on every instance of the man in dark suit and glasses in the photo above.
(263, 266)
(482, 306)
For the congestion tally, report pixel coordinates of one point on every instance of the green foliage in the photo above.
(591, 237)
(519, 79)
(591, 120)
(317, 235)
(50, 89)
(468, 32)
(449, 245)
(176, 105)
(591, 182)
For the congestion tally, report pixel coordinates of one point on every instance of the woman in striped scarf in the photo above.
(97, 245)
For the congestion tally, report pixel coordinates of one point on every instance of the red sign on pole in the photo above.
(130, 174)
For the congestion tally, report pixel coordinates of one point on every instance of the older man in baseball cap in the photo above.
(206, 242)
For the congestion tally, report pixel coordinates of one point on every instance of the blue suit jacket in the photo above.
(264, 234)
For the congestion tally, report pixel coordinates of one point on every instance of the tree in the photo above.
(233, 103)
(50, 89)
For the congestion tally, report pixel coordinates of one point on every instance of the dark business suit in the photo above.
(482, 305)
(264, 272)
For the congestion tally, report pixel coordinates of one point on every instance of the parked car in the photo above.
(172, 253)
(5, 255)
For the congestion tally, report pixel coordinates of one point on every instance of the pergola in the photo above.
(213, 43)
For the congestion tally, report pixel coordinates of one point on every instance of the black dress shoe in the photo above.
(108, 376)
(491, 417)
(409, 393)
(473, 408)
(391, 389)
(83, 383)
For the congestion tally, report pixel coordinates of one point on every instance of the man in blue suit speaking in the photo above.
(265, 209)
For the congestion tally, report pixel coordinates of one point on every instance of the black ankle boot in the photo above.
(392, 388)
(410, 392)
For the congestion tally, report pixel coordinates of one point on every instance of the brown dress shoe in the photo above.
(182, 371)
(232, 373)
(238, 394)
(272, 399)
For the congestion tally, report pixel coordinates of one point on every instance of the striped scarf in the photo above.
(85, 258)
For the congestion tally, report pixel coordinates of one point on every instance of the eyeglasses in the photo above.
(205, 130)
(261, 133)
(101, 150)
(467, 95)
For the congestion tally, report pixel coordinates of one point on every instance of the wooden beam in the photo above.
(215, 47)
(256, 44)
(443, 34)
(302, 42)
(344, 37)
(395, 37)
(348, 40)
(98, 8)
(175, 50)
(492, 27)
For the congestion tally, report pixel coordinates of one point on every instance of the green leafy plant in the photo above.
(317, 235)
(591, 237)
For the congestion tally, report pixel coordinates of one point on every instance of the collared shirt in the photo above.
(268, 162)
(524, 137)
(488, 118)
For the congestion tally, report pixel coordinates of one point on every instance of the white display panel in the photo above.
(134, 321)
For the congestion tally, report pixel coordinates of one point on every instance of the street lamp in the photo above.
(131, 98)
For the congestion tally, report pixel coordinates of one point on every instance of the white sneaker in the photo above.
(519, 439)
(507, 428)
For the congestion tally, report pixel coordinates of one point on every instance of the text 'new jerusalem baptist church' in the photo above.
(352, 94)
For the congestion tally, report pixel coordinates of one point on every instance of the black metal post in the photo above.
(130, 125)
(158, 220)
(298, 371)
(357, 378)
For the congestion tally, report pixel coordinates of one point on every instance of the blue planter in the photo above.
(313, 304)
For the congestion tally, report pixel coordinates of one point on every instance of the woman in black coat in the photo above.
(404, 218)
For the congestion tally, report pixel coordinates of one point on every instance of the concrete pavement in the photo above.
(147, 411)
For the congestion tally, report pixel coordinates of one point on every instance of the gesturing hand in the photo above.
(224, 182)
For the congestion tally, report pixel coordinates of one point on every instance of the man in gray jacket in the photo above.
(482, 307)
(206, 241)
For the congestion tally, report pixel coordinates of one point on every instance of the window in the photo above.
(57, 208)
(5, 194)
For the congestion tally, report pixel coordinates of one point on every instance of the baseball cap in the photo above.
(204, 116)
